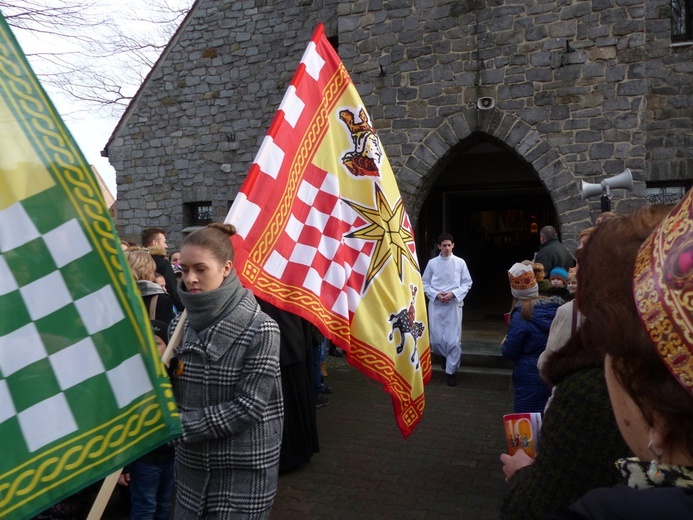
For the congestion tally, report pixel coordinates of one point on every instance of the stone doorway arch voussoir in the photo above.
(420, 171)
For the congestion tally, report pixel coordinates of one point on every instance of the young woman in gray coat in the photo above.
(226, 380)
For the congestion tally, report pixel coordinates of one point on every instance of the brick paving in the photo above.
(448, 468)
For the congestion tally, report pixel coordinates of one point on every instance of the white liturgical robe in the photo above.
(446, 274)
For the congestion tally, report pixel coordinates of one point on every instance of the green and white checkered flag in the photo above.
(82, 390)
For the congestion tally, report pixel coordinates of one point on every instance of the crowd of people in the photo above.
(602, 344)
(608, 364)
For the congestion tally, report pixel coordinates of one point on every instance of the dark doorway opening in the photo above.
(492, 201)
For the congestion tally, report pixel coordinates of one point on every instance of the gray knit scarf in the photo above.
(208, 307)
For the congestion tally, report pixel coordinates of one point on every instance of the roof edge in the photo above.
(135, 99)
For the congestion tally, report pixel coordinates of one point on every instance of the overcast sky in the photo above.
(90, 126)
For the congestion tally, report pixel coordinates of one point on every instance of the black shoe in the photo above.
(334, 352)
(326, 389)
(452, 381)
(321, 401)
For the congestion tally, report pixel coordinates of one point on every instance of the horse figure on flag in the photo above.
(405, 322)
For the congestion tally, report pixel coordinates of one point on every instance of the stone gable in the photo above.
(582, 90)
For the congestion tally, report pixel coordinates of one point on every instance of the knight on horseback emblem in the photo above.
(405, 322)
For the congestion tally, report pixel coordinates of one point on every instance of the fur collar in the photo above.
(157, 251)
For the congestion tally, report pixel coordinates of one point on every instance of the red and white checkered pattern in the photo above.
(311, 252)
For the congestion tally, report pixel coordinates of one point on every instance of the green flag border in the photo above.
(67, 166)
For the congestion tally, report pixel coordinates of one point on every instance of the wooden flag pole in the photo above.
(104, 495)
(174, 340)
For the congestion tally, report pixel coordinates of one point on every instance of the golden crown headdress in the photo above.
(663, 290)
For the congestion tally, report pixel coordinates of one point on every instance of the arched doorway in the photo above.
(494, 204)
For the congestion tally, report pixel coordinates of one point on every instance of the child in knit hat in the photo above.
(558, 277)
(559, 280)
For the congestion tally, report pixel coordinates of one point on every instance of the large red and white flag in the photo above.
(323, 233)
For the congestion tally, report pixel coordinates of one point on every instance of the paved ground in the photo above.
(448, 468)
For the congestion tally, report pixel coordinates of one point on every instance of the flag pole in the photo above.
(104, 495)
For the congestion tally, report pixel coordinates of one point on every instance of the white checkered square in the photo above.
(7, 281)
(129, 380)
(328, 247)
(276, 264)
(243, 214)
(307, 192)
(76, 363)
(46, 295)
(99, 310)
(303, 254)
(335, 276)
(341, 305)
(270, 157)
(67, 242)
(7, 409)
(17, 227)
(20, 348)
(345, 213)
(317, 219)
(360, 266)
(293, 228)
(353, 299)
(330, 184)
(46, 422)
(313, 61)
(313, 281)
(292, 106)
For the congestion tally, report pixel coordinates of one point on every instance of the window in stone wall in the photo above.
(681, 20)
(198, 213)
(334, 41)
(668, 192)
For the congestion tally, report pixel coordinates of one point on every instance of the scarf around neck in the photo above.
(635, 473)
(208, 307)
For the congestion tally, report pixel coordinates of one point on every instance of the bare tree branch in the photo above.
(96, 52)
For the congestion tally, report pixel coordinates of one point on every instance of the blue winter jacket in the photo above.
(525, 341)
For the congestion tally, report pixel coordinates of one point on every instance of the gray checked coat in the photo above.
(230, 398)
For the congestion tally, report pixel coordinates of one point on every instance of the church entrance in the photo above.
(493, 203)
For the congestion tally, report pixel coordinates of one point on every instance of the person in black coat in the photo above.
(552, 252)
(300, 435)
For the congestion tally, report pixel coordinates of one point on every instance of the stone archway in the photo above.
(420, 171)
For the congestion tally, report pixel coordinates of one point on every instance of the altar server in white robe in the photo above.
(446, 281)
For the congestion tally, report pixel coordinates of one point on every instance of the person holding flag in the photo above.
(226, 380)
(323, 233)
(83, 392)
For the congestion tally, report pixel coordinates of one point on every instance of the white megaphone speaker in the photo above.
(590, 189)
(485, 103)
(622, 181)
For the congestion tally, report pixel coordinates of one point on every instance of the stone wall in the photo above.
(583, 90)
(199, 119)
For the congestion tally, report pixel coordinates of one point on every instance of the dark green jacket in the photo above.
(578, 445)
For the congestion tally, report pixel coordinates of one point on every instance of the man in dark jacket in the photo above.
(552, 253)
(155, 241)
